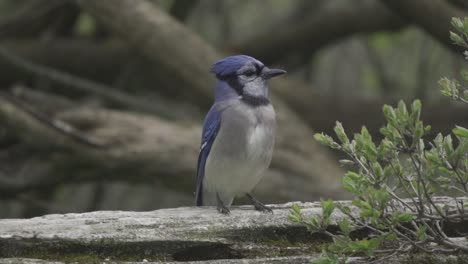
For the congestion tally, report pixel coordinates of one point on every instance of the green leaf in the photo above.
(362, 204)
(296, 208)
(370, 213)
(345, 226)
(448, 146)
(402, 112)
(388, 172)
(345, 209)
(382, 196)
(418, 131)
(390, 115)
(378, 171)
(340, 133)
(293, 218)
(313, 224)
(324, 139)
(366, 246)
(365, 145)
(421, 232)
(415, 111)
(328, 206)
(457, 39)
(457, 23)
(327, 209)
(464, 74)
(460, 131)
(346, 162)
(399, 217)
(295, 214)
(351, 182)
(449, 87)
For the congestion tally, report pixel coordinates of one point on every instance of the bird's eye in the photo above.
(249, 73)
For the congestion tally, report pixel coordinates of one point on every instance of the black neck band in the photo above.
(255, 100)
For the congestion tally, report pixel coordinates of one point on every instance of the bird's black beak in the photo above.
(270, 73)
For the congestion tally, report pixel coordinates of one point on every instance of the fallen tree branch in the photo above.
(57, 125)
(110, 94)
(330, 23)
(160, 38)
(70, 55)
(31, 18)
(179, 234)
(155, 148)
(76, 55)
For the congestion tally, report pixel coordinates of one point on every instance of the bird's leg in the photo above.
(221, 207)
(258, 205)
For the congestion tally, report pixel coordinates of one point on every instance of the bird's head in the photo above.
(246, 75)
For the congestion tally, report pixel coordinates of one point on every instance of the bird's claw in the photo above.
(223, 209)
(263, 208)
(258, 205)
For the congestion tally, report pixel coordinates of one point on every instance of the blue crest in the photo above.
(229, 65)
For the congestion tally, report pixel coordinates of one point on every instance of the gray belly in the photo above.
(241, 152)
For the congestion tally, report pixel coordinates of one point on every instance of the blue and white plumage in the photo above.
(238, 133)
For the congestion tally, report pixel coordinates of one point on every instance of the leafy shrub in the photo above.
(394, 182)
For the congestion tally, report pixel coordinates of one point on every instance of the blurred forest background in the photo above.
(102, 102)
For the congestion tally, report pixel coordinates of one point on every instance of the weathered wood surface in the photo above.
(173, 235)
(170, 234)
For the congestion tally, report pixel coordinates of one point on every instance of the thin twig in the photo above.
(109, 93)
(57, 125)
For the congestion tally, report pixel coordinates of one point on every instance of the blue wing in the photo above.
(210, 130)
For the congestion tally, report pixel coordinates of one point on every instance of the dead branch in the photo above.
(330, 23)
(100, 90)
(141, 148)
(70, 55)
(160, 38)
(31, 18)
(190, 234)
(56, 124)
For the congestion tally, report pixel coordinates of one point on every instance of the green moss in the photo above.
(273, 241)
(85, 252)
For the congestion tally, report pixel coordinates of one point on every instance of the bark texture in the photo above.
(335, 20)
(133, 147)
(180, 234)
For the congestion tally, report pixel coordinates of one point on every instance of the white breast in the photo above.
(258, 140)
(242, 151)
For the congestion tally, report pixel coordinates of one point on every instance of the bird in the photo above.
(238, 134)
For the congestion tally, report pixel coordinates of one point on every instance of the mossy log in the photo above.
(174, 235)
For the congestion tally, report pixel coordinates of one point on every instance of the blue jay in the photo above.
(238, 133)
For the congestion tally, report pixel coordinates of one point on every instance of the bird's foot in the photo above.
(258, 205)
(221, 207)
